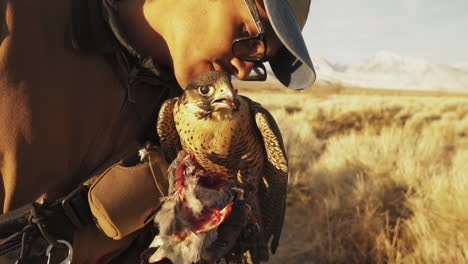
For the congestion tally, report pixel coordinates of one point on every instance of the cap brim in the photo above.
(292, 64)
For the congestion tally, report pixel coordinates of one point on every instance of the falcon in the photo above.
(223, 147)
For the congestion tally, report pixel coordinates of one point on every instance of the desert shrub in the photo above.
(376, 180)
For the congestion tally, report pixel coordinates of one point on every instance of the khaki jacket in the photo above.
(65, 110)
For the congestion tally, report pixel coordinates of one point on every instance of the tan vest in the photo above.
(63, 112)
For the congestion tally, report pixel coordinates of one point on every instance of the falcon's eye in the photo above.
(206, 90)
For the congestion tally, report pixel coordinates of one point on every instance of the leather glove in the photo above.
(228, 233)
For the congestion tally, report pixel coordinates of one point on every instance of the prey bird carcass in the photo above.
(224, 147)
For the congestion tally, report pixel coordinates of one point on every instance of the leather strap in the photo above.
(51, 221)
(158, 165)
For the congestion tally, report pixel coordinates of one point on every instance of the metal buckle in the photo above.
(69, 258)
(71, 212)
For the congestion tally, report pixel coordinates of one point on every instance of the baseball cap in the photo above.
(292, 64)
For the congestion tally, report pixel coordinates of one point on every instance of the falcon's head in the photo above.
(211, 92)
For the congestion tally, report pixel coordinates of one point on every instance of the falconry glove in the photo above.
(228, 234)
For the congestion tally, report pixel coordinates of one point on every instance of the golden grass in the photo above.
(375, 177)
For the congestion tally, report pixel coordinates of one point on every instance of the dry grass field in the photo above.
(376, 176)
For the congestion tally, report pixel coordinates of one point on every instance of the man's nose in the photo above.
(241, 69)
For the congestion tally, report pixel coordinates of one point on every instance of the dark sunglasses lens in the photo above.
(249, 49)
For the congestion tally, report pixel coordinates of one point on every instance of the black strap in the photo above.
(89, 31)
(51, 221)
(12, 227)
(15, 220)
(76, 207)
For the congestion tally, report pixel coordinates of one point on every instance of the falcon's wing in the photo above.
(168, 136)
(273, 185)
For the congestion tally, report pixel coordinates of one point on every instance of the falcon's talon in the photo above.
(191, 156)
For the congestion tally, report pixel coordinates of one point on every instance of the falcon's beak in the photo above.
(226, 98)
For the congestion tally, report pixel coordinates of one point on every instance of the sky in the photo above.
(349, 31)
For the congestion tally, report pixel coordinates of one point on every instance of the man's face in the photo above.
(201, 35)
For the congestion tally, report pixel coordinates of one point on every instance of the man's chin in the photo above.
(183, 80)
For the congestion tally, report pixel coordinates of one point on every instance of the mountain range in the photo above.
(392, 71)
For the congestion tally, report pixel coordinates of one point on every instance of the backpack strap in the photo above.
(50, 221)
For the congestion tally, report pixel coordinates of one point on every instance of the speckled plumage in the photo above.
(242, 141)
